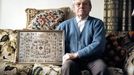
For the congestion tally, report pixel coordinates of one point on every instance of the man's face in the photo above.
(82, 8)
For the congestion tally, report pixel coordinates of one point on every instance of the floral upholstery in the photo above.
(40, 69)
(8, 68)
(45, 19)
(115, 52)
(129, 66)
(8, 45)
(119, 52)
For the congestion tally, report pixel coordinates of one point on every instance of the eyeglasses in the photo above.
(84, 4)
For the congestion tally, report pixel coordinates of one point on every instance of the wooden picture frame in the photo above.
(40, 46)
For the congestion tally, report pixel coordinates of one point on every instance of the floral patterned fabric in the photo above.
(45, 19)
(115, 71)
(40, 69)
(118, 47)
(129, 66)
(8, 68)
(8, 47)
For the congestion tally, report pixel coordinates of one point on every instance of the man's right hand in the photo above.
(69, 56)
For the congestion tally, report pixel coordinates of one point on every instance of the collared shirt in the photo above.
(81, 23)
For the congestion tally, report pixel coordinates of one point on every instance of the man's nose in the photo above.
(81, 5)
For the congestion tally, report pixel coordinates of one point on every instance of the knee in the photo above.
(102, 67)
(70, 67)
(101, 63)
(98, 67)
(98, 64)
(68, 64)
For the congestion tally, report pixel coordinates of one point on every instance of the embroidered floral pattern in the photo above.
(46, 19)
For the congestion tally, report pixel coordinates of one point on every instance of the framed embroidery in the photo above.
(40, 46)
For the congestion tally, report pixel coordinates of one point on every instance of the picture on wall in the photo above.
(40, 46)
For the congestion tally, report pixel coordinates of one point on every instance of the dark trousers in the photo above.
(74, 67)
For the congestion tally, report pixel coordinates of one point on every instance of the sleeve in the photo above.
(59, 27)
(98, 44)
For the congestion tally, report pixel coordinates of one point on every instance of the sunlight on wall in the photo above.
(13, 16)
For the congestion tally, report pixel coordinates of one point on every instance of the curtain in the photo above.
(117, 15)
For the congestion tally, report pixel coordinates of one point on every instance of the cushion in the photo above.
(45, 19)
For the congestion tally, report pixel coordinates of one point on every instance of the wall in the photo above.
(13, 16)
(0, 11)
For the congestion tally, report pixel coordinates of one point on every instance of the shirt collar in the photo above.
(78, 19)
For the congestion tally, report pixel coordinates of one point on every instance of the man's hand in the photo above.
(70, 56)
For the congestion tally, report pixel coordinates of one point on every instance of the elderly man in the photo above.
(84, 41)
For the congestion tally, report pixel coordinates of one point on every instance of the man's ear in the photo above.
(90, 8)
(90, 4)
